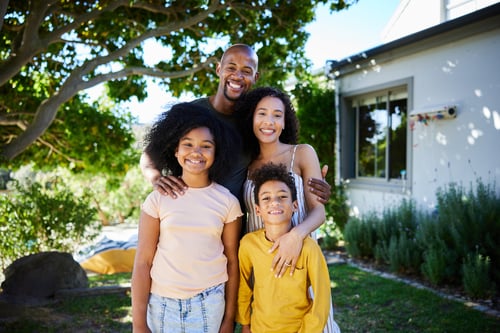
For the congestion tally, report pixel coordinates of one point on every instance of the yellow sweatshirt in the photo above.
(283, 305)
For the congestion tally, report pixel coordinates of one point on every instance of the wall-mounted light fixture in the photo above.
(426, 115)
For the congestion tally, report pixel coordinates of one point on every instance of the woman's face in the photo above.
(196, 151)
(269, 119)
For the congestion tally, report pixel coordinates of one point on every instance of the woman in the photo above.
(270, 130)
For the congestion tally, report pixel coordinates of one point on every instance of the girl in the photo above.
(185, 275)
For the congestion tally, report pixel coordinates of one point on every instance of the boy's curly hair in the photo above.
(244, 112)
(163, 138)
(271, 171)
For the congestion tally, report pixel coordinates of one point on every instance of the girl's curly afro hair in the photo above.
(163, 138)
(244, 112)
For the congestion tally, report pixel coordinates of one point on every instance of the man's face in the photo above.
(237, 73)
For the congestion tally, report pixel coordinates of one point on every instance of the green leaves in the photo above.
(52, 50)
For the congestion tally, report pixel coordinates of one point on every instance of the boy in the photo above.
(266, 303)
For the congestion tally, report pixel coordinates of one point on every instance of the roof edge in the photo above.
(460, 22)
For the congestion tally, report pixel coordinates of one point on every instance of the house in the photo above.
(422, 110)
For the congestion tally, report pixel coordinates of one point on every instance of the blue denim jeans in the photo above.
(201, 313)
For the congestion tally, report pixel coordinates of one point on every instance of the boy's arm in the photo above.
(230, 239)
(317, 270)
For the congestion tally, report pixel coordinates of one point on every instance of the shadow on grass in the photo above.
(363, 302)
(105, 313)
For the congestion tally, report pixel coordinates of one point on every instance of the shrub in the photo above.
(476, 276)
(439, 257)
(457, 245)
(337, 211)
(329, 235)
(359, 236)
(38, 219)
(404, 254)
(434, 267)
(396, 244)
(470, 222)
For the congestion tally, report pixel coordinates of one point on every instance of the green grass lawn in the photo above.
(364, 302)
(368, 303)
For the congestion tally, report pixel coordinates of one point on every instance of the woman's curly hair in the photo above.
(163, 138)
(244, 113)
(271, 171)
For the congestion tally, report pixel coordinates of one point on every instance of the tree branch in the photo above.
(3, 9)
(153, 72)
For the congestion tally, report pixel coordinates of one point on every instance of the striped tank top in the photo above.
(254, 222)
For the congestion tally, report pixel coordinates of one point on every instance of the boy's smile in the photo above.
(275, 203)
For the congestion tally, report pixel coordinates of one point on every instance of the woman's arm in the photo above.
(148, 235)
(290, 244)
(230, 239)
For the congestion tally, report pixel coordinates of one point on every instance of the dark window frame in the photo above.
(349, 135)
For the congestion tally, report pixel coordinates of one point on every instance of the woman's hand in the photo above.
(289, 247)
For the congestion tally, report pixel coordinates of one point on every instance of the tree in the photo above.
(316, 114)
(52, 50)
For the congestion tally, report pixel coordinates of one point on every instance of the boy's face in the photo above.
(275, 203)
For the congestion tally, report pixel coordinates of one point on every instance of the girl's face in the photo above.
(196, 151)
(269, 119)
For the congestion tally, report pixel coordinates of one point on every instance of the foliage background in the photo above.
(52, 51)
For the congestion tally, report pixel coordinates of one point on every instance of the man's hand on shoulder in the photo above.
(166, 185)
(320, 187)
(170, 185)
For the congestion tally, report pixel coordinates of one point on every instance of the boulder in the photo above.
(41, 275)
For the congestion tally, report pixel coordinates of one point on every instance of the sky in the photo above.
(333, 36)
(337, 35)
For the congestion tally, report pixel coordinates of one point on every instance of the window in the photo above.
(380, 142)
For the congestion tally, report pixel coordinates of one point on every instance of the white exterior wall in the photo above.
(412, 16)
(461, 150)
(415, 15)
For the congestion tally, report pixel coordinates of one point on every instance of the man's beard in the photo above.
(232, 99)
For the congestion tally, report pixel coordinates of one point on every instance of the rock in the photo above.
(41, 275)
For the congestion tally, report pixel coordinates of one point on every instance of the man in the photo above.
(237, 72)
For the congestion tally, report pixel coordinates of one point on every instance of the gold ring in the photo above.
(287, 264)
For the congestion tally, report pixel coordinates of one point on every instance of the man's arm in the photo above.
(320, 187)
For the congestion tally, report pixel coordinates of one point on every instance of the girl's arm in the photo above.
(148, 235)
(290, 244)
(230, 239)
